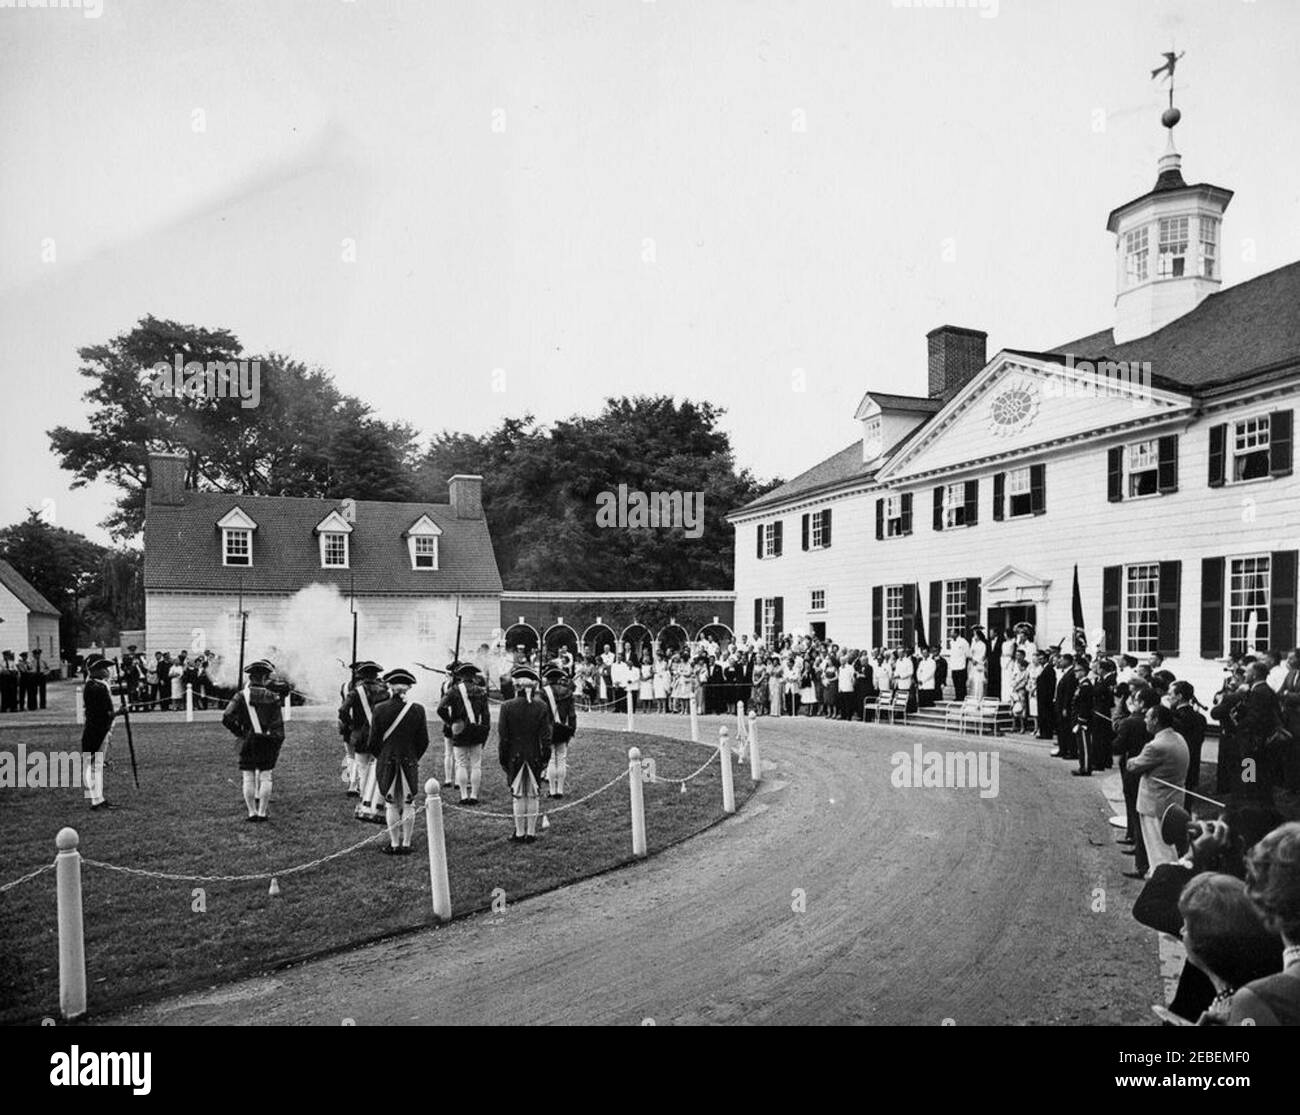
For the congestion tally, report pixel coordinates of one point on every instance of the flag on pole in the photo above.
(1080, 629)
(918, 622)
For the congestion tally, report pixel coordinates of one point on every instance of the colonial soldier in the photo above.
(256, 716)
(363, 693)
(524, 734)
(1081, 711)
(97, 733)
(8, 683)
(464, 713)
(400, 734)
(26, 683)
(448, 739)
(558, 695)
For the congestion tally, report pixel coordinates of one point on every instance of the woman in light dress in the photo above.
(1018, 682)
(647, 694)
(1008, 660)
(682, 683)
(979, 657)
(775, 685)
(662, 683)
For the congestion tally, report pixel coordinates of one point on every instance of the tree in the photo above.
(302, 438)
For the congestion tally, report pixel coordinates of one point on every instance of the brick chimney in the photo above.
(167, 478)
(466, 496)
(956, 355)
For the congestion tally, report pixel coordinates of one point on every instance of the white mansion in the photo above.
(1155, 454)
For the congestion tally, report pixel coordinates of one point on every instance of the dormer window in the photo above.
(1209, 247)
(333, 531)
(1135, 256)
(422, 543)
(1173, 247)
(236, 538)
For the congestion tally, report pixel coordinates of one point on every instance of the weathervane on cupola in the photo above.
(1171, 164)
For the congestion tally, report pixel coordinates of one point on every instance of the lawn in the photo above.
(147, 937)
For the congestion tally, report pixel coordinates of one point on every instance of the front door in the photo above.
(1004, 617)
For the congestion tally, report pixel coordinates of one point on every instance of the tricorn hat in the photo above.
(366, 666)
(465, 670)
(556, 673)
(261, 666)
(94, 662)
(524, 673)
(399, 676)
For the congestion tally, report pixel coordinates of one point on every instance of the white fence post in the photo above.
(695, 722)
(189, 703)
(740, 721)
(288, 707)
(638, 801)
(728, 782)
(72, 942)
(438, 881)
(628, 694)
(81, 706)
(753, 746)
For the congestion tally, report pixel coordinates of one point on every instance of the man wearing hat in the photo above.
(356, 715)
(8, 683)
(97, 732)
(399, 737)
(524, 749)
(558, 695)
(467, 723)
(448, 738)
(255, 715)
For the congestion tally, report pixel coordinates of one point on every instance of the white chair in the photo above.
(970, 713)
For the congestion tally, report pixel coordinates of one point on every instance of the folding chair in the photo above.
(970, 712)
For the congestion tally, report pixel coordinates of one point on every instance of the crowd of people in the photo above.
(22, 681)
(159, 682)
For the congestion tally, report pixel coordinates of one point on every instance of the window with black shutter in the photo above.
(1282, 598)
(908, 640)
(1251, 447)
(758, 617)
(1168, 468)
(999, 495)
(1112, 579)
(972, 602)
(1218, 458)
(778, 616)
(880, 522)
(972, 502)
(804, 521)
(760, 541)
(1038, 489)
(1171, 586)
(826, 528)
(777, 530)
(1280, 441)
(907, 513)
(1115, 474)
(936, 614)
(938, 507)
(877, 614)
(1211, 607)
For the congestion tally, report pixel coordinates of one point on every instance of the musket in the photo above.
(434, 669)
(126, 721)
(243, 630)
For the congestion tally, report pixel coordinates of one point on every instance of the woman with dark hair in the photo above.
(1225, 938)
(1273, 886)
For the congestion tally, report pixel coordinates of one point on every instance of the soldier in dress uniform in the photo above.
(558, 695)
(363, 693)
(1081, 710)
(524, 749)
(8, 683)
(464, 713)
(256, 716)
(400, 735)
(97, 732)
(448, 738)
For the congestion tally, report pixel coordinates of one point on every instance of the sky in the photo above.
(467, 211)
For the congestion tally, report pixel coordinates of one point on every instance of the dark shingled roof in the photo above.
(1240, 333)
(1233, 335)
(16, 583)
(183, 547)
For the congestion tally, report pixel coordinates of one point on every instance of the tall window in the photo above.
(1173, 247)
(816, 531)
(818, 600)
(1142, 608)
(954, 609)
(954, 506)
(893, 516)
(1019, 493)
(893, 616)
(771, 540)
(426, 552)
(1135, 256)
(1209, 246)
(1144, 468)
(238, 546)
(424, 626)
(769, 619)
(334, 551)
(1248, 592)
(1250, 448)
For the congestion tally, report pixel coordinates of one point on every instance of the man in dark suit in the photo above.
(1081, 712)
(1258, 719)
(400, 731)
(8, 682)
(1189, 724)
(1064, 709)
(1288, 697)
(1044, 696)
(524, 749)
(39, 676)
(1131, 736)
(97, 732)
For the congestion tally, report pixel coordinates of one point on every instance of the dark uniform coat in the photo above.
(257, 751)
(354, 725)
(1064, 712)
(402, 751)
(563, 727)
(524, 736)
(451, 711)
(98, 702)
(1044, 696)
